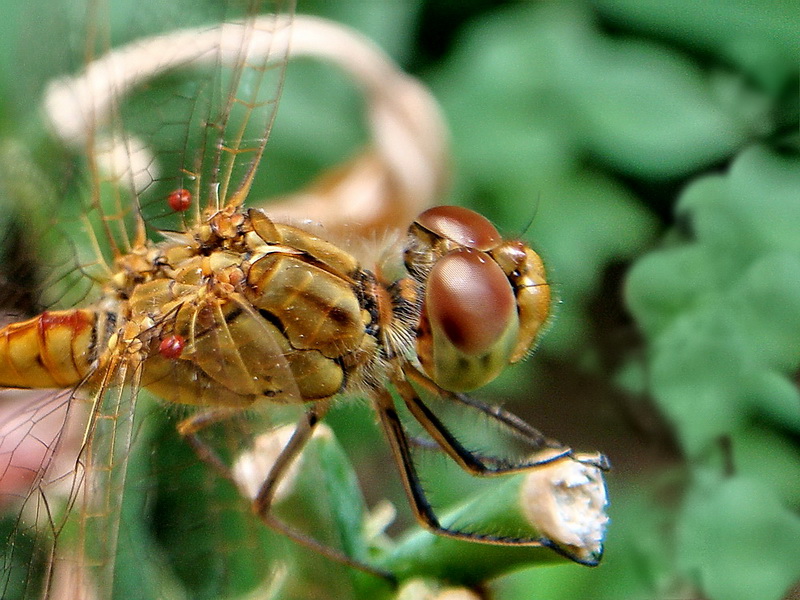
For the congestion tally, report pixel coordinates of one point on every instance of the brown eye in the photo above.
(470, 321)
(469, 300)
(461, 225)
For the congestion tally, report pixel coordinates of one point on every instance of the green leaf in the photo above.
(639, 106)
(723, 311)
(771, 459)
(736, 540)
(649, 111)
(762, 37)
(665, 283)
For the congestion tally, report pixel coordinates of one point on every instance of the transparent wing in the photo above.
(87, 544)
(190, 108)
(167, 103)
(39, 441)
(258, 47)
(62, 486)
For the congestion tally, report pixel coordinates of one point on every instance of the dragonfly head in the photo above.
(485, 299)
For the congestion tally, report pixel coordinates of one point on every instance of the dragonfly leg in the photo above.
(189, 429)
(487, 466)
(466, 459)
(423, 511)
(517, 426)
(526, 432)
(262, 504)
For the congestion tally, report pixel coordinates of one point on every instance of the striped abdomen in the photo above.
(53, 350)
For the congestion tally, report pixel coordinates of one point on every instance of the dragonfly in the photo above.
(186, 292)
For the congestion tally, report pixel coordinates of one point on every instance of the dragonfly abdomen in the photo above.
(55, 349)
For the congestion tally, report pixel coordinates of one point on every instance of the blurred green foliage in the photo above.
(653, 139)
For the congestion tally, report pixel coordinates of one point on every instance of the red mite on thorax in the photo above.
(180, 200)
(172, 346)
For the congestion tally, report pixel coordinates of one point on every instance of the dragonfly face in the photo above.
(485, 298)
(229, 312)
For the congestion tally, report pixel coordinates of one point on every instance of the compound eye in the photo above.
(471, 315)
(462, 226)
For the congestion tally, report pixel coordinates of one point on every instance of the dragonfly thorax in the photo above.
(265, 310)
